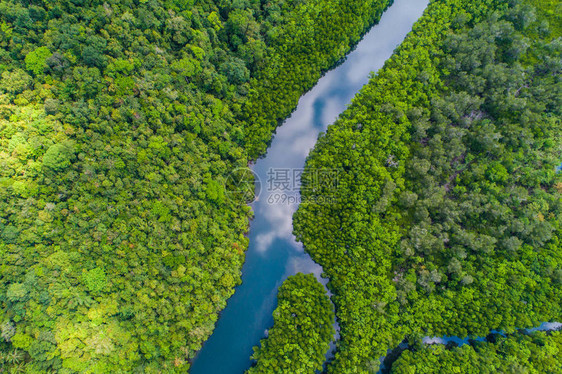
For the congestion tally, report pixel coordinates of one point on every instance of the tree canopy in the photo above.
(120, 122)
(520, 353)
(446, 219)
(302, 332)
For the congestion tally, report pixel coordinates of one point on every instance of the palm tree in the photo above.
(19, 368)
(14, 357)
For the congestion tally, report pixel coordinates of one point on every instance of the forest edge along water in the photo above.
(273, 254)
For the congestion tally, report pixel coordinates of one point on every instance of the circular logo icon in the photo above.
(243, 184)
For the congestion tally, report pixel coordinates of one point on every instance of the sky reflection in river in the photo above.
(321, 107)
(273, 254)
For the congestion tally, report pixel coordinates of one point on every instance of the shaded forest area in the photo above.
(520, 353)
(448, 211)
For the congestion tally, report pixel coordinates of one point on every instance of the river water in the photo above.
(273, 253)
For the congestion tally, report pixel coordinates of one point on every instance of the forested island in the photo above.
(302, 332)
(121, 120)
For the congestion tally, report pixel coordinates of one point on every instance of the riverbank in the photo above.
(273, 253)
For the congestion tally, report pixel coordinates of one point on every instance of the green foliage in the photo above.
(447, 215)
(314, 37)
(303, 329)
(120, 122)
(58, 156)
(22, 341)
(115, 148)
(16, 292)
(15, 81)
(36, 60)
(215, 191)
(534, 353)
(551, 12)
(94, 279)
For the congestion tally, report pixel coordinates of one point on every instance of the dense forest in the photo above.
(119, 123)
(302, 331)
(121, 120)
(447, 215)
(534, 353)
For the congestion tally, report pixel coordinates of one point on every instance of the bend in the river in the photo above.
(273, 254)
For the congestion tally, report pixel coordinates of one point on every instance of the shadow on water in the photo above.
(273, 254)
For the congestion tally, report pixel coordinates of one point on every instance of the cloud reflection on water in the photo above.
(273, 253)
(320, 107)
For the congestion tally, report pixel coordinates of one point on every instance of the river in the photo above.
(273, 253)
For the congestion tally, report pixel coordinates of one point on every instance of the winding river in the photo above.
(273, 254)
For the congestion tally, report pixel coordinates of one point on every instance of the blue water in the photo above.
(273, 254)
(545, 326)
